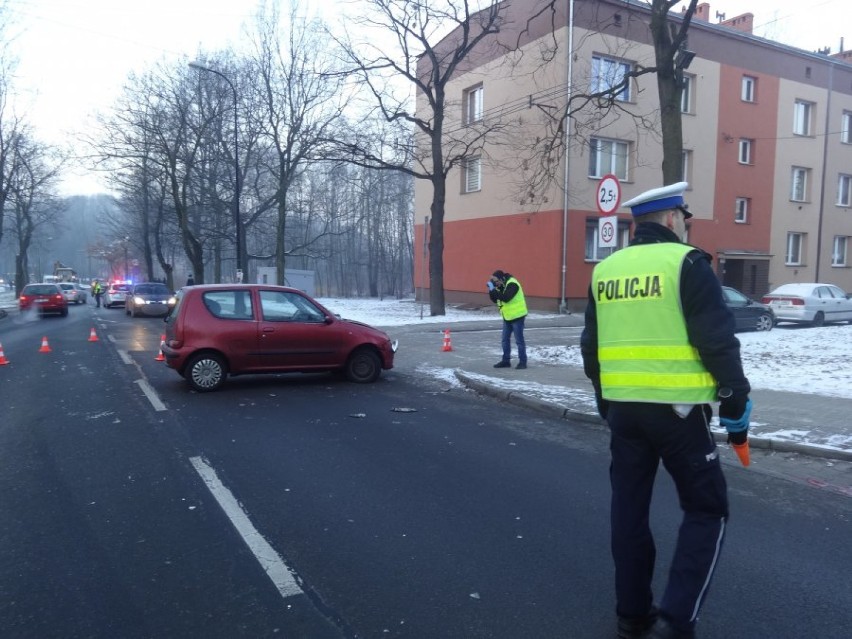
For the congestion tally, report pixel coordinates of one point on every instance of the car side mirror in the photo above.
(328, 319)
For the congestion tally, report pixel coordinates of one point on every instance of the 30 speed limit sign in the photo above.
(609, 194)
(607, 227)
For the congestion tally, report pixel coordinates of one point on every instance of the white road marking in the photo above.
(125, 356)
(269, 560)
(151, 394)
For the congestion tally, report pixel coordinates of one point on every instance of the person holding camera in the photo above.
(506, 291)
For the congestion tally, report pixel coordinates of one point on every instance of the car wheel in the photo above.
(206, 372)
(818, 320)
(363, 366)
(764, 322)
(64, 313)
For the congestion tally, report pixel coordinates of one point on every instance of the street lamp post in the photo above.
(237, 181)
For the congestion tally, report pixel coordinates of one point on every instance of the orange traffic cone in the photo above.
(92, 335)
(742, 452)
(45, 347)
(3, 360)
(160, 357)
(448, 345)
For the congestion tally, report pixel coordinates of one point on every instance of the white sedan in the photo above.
(810, 303)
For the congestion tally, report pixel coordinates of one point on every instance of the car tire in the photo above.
(818, 320)
(765, 322)
(363, 366)
(64, 313)
(206, 372)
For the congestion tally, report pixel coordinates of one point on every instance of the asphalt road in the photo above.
(400, 509)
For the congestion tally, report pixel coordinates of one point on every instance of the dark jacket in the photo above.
(709, 322)
(504, 293)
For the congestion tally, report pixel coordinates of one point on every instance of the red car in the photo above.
(218, 330)
(45, 298)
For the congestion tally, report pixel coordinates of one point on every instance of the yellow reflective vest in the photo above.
(515, 307)
(643, 347)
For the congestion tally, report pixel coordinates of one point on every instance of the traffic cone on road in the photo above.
(160, 357)
(93, 337)
(3, 360)
(448, 345)
(45, 347)
(742, 451)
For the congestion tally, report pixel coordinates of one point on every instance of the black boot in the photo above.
(663, 629)
(502, 364)
(636, 627)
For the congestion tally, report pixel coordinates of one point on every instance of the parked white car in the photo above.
(810, 303)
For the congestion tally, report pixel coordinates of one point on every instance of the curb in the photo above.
(562, 412)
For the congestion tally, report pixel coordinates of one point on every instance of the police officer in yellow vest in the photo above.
(506, 291)
(659, 347)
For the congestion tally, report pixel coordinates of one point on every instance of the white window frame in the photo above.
(746, 151)
(844, 190)
(741, 208)
(838, 253)
(595, 253)
(803, 113)
(686, 100)
(795, 244)
(686, 165)
(472, 175)
(799, 179)
(846, 127)
(607, 156)
(473, 104)
(747, 90)
(610, 72)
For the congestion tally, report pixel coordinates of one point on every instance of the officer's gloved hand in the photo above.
(734, 414)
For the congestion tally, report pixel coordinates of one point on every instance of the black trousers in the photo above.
(641, 436)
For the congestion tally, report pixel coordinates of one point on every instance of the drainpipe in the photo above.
(821, 211)
(569, 87)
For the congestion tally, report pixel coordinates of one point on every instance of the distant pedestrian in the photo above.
(659, 347)
(506, 291)
(190, 281)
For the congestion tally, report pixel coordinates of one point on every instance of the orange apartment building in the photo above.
(767, 133)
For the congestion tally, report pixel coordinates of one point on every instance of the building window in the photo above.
(595, 253)
(838, 254)
(844, 190)
(608, 73)
(749, 88)
(741, 207)
(802, 115)
(686, 165)
(472, 101)
(795, 241)
(471, 175)
(686, 97)
(608, 156)
(746, 150)
(846, 128)
(799, 184)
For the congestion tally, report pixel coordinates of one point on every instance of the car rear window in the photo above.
(40, 289)
(66, 287)
(124, 288)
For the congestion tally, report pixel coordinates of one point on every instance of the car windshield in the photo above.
(151, 289)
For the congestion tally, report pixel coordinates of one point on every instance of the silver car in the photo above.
(73, 292)
(810, 303)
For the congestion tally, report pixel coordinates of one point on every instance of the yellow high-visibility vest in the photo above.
(643, 347)
(515, 307)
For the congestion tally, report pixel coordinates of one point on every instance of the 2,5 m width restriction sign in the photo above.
(609, 194)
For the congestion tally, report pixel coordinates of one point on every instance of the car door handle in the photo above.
(268, 329)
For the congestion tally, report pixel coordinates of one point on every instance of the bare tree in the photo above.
(432, 40)
(300, 99)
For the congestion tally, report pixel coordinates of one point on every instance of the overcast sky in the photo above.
(76, 54)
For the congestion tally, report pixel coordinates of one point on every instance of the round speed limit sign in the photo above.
(609, 194)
